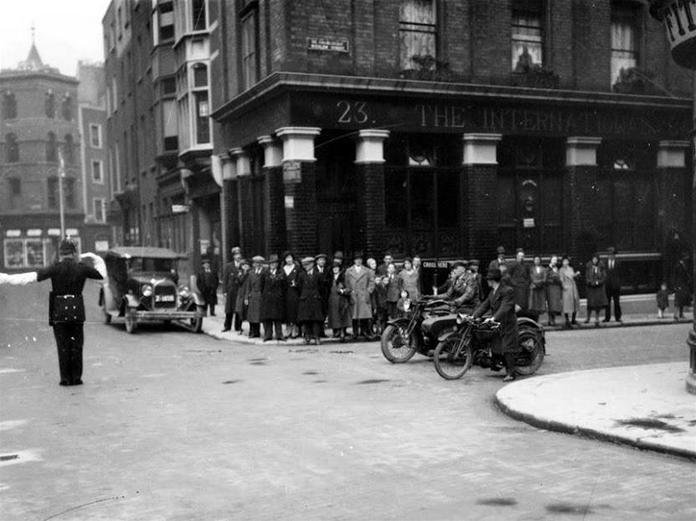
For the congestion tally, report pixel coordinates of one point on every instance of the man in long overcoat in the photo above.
(612, 285)
(273, 300)
(501, 303)
(254, 296)
(520, 280)
(207, 281)
(325, 289)
(310, 313)
(230, 287)
(360, 280)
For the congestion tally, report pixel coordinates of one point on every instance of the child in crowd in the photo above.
(403, 305)
(662, 298)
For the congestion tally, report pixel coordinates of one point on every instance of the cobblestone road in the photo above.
(176, 426)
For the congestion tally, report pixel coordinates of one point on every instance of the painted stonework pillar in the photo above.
(300, 188)
(241, 207)
(276, 240)
(369, 173)
(479, 208)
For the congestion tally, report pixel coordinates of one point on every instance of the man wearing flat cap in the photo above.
(66, 310)
(325, 289)
(501, 303)
(254, 296)
(309, 312)
(230, 287)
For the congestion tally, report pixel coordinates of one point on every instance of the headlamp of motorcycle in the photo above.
(460, 318)
(146, 290)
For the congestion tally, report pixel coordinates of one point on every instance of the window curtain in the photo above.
(623, 45)
(527, 42)
(417, 31)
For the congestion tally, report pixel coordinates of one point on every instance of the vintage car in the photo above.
(143, 286)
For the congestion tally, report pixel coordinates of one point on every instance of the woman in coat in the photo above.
(571, 297)
(242, 303)
(595, 275)
(391, 282)
(273, 300)
(501, 303)
(537, 287)
(360, 280)
(554, 290)
(292, 294)
(339, 304)
(409, 279)
(310, 312)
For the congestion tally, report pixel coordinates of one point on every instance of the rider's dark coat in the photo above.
(501, 303)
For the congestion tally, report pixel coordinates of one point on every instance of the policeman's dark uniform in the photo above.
(68, 279)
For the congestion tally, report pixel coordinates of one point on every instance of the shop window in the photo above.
(11, 148)
(198, 15)
(50, 104)
(625, 18)
(51, 148)
(249, 26)
(417, 32)
(67, 107)
(9, 105)
(69, 149)
(527, 35)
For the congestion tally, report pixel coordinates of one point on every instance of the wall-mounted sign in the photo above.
(292, 172)
(180, 208)
(72, 232)
(13, 233)
(34, 232)
(328, 44)
(54, 232)
(101, 245)
(290, 201)
(528, 223)
(678, 18)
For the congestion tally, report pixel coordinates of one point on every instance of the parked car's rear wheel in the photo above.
(131, 322)
(196, 324)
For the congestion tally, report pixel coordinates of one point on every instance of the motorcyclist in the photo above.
(463, 294)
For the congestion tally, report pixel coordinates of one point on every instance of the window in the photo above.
(624, 39)
(168, 86)
(527, 36)
(95, 135)
(15, 191)
(200, 75)
(199, 15)
(97, 174)
(66, 107)
(9, 105)
(202, 117)
(51, 148)
(249, 59)
(50, 104)
(165, 12)
(69, 149)
(171, 132)
(99, 207)
(11, 148)
(52, 192)
(417, 31)
(69, 192)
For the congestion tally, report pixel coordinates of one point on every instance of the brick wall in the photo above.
(275, 214)
(301, 220)
(591, 53)
(371, 209)
(481, 211)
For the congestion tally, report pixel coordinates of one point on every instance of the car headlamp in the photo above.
(184, 292)
(146, 290)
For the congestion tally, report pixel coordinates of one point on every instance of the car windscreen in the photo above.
(152, 265)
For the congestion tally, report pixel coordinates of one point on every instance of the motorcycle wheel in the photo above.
(531, 354)
(395, 346)
(446, 365)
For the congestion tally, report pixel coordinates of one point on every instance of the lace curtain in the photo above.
(623, 48)
(417, 29)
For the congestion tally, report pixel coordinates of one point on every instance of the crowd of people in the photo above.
(294, 297)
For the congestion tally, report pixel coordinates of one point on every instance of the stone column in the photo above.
(276, 241)
(579, 205)
(369, 175)
(229, 206)
(300, 189)
(243, 213)
(479, 197)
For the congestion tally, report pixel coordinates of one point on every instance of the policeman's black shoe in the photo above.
(267, 339)
(65, 383)
(226, 330)
(77, 382)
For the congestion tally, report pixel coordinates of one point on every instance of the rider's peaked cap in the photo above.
(494, 274)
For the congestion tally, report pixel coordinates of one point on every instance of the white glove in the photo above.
(18, 279)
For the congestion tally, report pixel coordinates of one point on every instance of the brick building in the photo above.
(444, 128)
(159, 134)
(38, 124)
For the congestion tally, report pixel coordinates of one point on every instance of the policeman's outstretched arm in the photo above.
(18, 279)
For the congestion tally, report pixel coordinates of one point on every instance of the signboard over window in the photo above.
(328, 44)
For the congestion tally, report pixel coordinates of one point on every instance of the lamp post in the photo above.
(679, 20)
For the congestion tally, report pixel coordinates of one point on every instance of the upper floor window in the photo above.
(200, 75)
(99, 213)
(11, 148)
(95, 136)
(417, 32)
(68, 149)
(50, 104)
(249, 54)
(624, 38)
(97, 175)
(527, 35)
(51, 148)
(52, 192)
(163, 25)
(66, 108)
(15, 190)
(69, 192)
(9, 105)
(198, 15)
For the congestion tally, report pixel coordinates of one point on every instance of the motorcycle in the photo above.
(469, 342)
(417, 332)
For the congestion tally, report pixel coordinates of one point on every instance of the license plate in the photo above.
(164, 298)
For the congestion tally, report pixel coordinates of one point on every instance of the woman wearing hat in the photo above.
(501, 303)
(292, 294)
(66, 307)
(595, 276)
(310, 313)
(273, 300)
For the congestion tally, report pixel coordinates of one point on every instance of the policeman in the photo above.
(66, 308)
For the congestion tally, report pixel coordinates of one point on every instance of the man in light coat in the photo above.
(360, 280)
